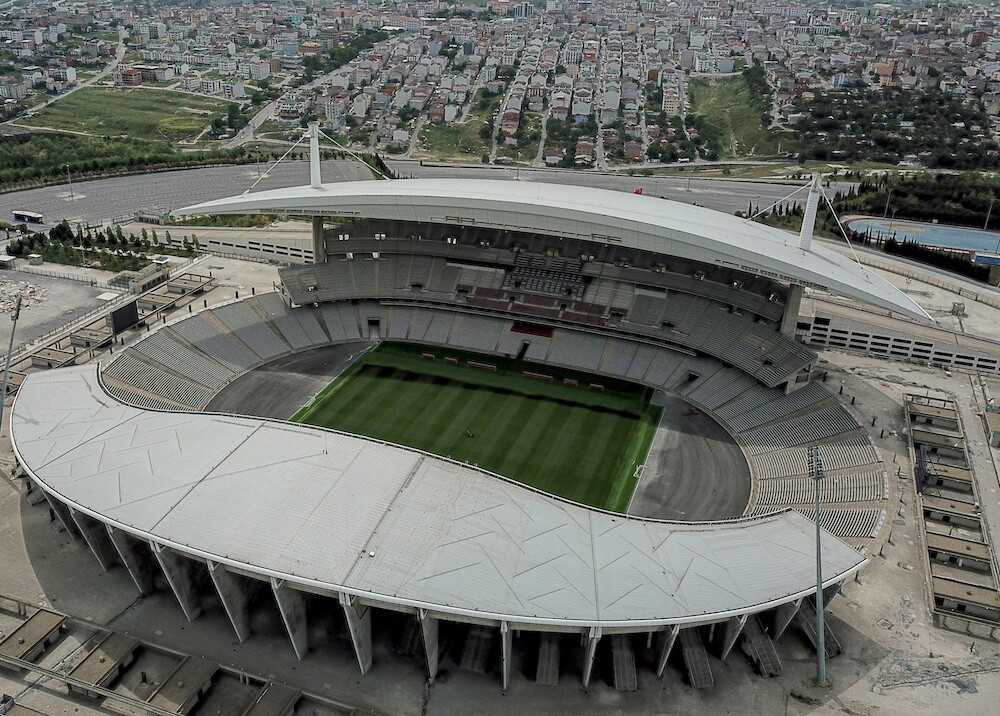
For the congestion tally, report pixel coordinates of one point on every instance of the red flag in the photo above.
(638, 190)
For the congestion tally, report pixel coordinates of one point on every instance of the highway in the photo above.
(101, 200)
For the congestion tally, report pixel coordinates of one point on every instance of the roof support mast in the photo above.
(809, 220)
(316, 180)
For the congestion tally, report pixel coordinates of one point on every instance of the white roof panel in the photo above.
(346, 513)
(609, 217)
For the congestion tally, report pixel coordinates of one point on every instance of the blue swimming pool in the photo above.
(951, 237)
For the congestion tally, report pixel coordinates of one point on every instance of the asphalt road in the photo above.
(104, 199)
(100, 200)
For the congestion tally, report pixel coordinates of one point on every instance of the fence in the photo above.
(68, 276)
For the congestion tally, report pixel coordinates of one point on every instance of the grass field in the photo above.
(137, 112)
(728, 107)
(574, 442)
(459, 140)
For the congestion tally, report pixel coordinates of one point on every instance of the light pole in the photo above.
(989, 213)
(10, 351)
(70, 180)
(816, 468)
(887, 198)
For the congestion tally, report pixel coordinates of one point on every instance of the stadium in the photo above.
(558, 421)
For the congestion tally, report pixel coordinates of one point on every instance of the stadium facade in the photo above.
(680, 298)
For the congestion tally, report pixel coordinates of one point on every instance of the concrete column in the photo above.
(96, 538)
(429, 630)
(32, 492)
(830, 592)
(318, 240)
(359, 624)
(669, 638)
(177, 570)
(593, 637)
(233, 597)
(733, 629)
(783, 616)
(136, 558)
(62, 514)
(292, 605)
(506, 652)
(793, 306)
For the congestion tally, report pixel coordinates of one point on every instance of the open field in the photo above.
(459, 140)
(730, 111)
(573, 442)
(137, 112)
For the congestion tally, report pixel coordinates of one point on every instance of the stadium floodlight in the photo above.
(14, 315)
(816, 471)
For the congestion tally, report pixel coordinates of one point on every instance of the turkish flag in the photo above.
(638, 190)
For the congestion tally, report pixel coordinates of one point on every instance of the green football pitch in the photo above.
(571, 441)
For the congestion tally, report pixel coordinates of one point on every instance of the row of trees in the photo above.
(36, 157)
(961, 199)
(948, 260)
(110, 249)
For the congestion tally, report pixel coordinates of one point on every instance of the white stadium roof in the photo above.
(609, 217)
(330, 511)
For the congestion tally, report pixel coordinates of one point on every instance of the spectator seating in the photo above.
(184, 364)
